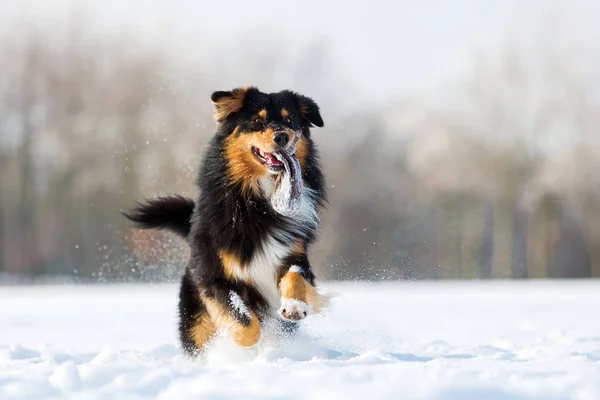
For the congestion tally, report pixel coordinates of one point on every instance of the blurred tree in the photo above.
(481, 181)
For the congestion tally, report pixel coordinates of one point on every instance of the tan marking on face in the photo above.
(268, 140)
(262, 114)
(294, 286)
(302, 151)
(230, 104)
(202, 330)
(244, 167)
(284, 113)
(243, 335)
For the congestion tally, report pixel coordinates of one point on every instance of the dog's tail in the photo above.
(172, 213)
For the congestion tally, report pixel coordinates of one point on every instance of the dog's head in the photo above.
(260, 129)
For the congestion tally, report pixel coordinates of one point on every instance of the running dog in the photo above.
(261, 189)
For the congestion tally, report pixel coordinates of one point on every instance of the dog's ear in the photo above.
(229, 102)
(309, 110)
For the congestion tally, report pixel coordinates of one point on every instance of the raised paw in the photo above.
(293, 309)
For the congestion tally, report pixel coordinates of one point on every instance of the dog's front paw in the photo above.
(293, 309)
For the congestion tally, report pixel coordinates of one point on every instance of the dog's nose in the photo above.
(281, 138)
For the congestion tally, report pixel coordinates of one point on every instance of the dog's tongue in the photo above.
(287, 196)
(272, 160)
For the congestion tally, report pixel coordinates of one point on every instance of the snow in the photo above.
(238, 304)
(295, 268)
(448, 341)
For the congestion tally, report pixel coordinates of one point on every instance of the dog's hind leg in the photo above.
(231, 314)
(196, 328)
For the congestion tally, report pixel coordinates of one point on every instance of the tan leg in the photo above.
(298, 297)
(242, 334)
(202, 331)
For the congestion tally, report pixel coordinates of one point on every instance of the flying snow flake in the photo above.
(237, 303)
(295, 268)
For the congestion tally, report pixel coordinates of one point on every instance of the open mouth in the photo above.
(269, 160)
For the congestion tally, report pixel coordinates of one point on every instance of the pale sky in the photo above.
(385, 46)
(399, 44)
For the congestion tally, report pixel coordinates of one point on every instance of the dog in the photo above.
(261, 190)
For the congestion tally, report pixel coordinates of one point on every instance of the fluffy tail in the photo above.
(172, 213)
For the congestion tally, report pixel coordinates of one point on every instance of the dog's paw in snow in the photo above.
(293, 309)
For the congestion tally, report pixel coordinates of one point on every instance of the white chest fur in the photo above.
(262, 269)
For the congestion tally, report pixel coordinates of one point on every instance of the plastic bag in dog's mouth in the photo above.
(287, 197)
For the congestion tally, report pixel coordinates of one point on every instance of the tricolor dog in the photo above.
(261, 189)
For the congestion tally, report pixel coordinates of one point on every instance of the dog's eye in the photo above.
(258, 120)
(288, 120)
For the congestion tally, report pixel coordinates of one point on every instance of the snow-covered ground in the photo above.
(450, 341)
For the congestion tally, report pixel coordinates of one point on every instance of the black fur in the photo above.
(172, 213)
(189, 305)
(226, 218)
